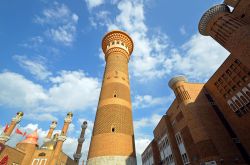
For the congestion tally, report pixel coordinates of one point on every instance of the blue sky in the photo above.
(51, 60)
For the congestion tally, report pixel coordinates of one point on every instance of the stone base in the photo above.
(112, 160)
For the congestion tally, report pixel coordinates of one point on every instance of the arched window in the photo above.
(246, 92)
(242, 98)
(238, 103)
(231, 105)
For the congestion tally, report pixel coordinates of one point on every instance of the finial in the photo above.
(84, 124)
(54, 122)
(20, 113)
(70, 114)
(55, 136)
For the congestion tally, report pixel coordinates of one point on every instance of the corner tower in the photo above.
(229, 30)
(112, 139)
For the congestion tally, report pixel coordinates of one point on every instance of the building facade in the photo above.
(191, 132)
(151, 154)
(229, 87)
(112, 139)
(28, 152)
(208, 124)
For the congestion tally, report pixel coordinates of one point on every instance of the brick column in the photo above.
(81, 139)
(61, 138)
(113, 135)
(4, 137)
(51, 130)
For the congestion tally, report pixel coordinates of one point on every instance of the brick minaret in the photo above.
(61, 138)
(113, 135)
(178, 85)
(229, 30)
(78, 153)
(51, 130)
(5, 136)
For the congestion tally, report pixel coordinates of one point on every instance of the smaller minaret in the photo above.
(61, 138)
(177, 84)
(5, 136)
(51, 130)
(78, 153)
(227, 29)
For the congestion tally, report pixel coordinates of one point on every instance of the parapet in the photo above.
(208, 15)
(232, 3)
(176, 79)
(117, 39)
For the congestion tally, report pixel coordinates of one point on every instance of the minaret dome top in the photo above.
(208, 15)
(117, 38)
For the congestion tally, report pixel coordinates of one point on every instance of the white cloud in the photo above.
(146, 101)
(63, 34)
(198, 58)
(141, 144)
(16, 91)
(61, 23)
(73, 90)
(183, 30)
(152, 121)
(36, 66)
(70, 91)
(93, 3)
(154, 56)
(41, 116)
(148, 53)
(33, 42)
(100, 18)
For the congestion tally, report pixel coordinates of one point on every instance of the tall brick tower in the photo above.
(113, 136)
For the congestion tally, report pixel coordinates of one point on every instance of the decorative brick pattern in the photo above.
(113, 136)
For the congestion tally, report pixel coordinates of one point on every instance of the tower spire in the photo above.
(51, 130)
(61, 138)
(112, 139)
(5, 136)
(78, 154)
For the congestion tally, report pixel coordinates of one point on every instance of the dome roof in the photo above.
(51, 144)
(176, 79)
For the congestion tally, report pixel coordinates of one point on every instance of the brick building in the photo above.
(151, 154)
(28, 152)
(209, 123)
